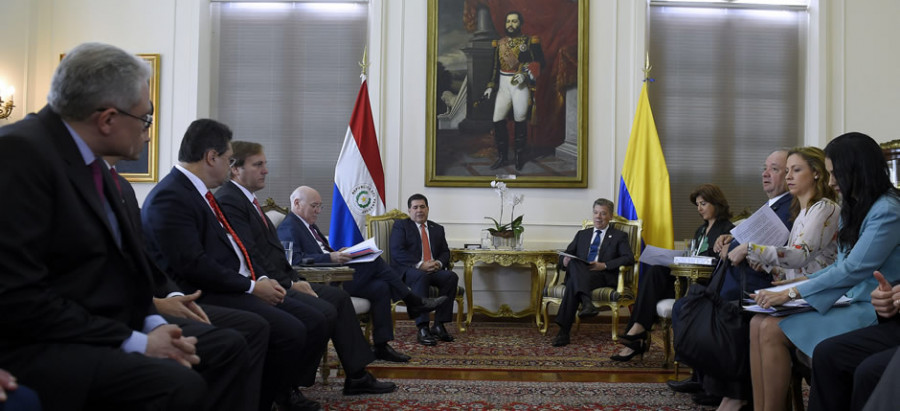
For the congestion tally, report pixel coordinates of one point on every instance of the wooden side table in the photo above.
(690, 273)
(325, 275)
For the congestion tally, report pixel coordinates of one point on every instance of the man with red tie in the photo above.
(419, 253)
(374, 280)
(237, 198)
(194, 243)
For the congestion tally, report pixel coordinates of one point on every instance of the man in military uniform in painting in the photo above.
(518, 60)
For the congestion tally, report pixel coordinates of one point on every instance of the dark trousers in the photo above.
(378, 283)
(349, 343)
(116, 380)
(655, 285)
(580, 282)
(447, 283)
(297, 337)
(886, 396)
(846, 368)
(231, 351)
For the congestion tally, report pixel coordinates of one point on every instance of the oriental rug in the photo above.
(506, 395)
(519, 346)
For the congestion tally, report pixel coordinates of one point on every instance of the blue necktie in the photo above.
(595, 246)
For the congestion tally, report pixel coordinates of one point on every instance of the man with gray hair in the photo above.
(601, 250)
(78, 323)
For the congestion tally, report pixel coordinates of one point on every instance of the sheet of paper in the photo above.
(574, 257)
(659, 256)
(363, 252)
(763, 227)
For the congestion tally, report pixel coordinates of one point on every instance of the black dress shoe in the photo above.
(562, 339)
(367, 385)
(427, 305)
(295, 401)
(709, 400)
(687, 385)
(441, 333)
(588, 311)
(424, 336)
(387, 353)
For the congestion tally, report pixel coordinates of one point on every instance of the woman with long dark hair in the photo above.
(658, 284)
(868, 240)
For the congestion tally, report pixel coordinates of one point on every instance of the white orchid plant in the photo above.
(514, 228)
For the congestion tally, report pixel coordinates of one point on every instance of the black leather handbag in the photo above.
(712, 334)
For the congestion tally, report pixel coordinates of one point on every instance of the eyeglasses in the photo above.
(147, 118)
(316, 206)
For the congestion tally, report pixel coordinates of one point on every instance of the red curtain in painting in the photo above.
(555, 22)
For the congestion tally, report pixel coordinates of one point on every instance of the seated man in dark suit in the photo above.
(233, 381)
(374, 281)
(419, 252)
(601, 250)
(239, 203)
(78, 324)
(191, 240)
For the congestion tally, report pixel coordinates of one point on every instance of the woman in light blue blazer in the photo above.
(868, 240)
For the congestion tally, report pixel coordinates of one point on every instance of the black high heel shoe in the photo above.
(634, 337)
(638, 348)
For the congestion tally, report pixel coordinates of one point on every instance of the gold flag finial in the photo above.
(364, 65)
(647, 66)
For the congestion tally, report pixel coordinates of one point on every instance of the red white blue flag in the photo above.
(358, 177)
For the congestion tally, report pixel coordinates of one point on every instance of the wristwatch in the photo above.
(792, 293)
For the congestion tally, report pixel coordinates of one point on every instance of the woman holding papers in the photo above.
(810, 247)
(815, 213)
(657, 284)
(868, 240)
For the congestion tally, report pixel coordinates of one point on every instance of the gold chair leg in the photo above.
(459, 313)
(325, 367)
(615, 321)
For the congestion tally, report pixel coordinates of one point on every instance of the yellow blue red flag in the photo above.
(644, 192)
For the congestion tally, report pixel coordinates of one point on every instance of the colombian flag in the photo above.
(644, 191)
(358, 177)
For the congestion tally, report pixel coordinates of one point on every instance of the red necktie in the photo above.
(98, 178)
(115, 176)
(224, 222)
(426, 246)
(261, 213)
(315, 231)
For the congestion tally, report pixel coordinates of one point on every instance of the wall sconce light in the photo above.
(6, 101)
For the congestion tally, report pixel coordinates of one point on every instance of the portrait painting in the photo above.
(507, 93)
(146, 168)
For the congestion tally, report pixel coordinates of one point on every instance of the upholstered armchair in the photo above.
(379, 228)
(614, 298)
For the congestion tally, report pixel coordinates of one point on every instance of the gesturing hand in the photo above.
(182, 306)
(885, 299)
(166, 341)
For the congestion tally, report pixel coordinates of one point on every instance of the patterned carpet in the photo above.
(511, 346)
(512, 349)
(506, 395)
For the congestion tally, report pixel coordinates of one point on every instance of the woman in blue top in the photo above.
(868, 240)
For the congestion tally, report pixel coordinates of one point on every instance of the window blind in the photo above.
(286, 76)
(728, 91)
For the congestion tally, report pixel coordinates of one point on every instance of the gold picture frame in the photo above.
(146, 168)
(460, 144)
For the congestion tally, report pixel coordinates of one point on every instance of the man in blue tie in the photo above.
(601, 250)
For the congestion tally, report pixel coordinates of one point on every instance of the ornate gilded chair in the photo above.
(379, 228)
(614, 298)
(275, 212)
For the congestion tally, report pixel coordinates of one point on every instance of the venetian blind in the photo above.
(287, 76)
(728, 91)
